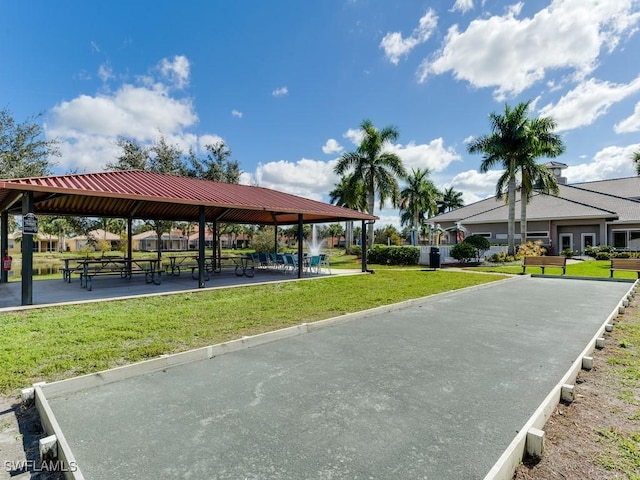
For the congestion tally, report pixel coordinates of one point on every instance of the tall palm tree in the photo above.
(543, 142)
(377, 169)
(636, 160)
(345, 195)
(450, 200)
(418, 198)
(514, 141)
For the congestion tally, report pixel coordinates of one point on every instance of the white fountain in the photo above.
(315, 247)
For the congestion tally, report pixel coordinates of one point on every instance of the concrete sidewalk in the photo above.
(436, 390)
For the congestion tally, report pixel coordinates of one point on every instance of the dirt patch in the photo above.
(20, 431)
(596, 437)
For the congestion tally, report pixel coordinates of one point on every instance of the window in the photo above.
(620, 239)
(537, 234)
(627, 239)
(501, 236)
(482, 234)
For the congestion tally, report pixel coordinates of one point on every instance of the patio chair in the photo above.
(312, 264)
(263, 260)
(324, 263)
(291, 263)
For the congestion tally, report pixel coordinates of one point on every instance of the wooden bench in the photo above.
(626, 264)
(557, 261)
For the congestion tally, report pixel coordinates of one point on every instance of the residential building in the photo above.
(605, 212)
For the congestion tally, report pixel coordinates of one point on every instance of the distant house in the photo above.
(42, 242)
(582, 215)
(94, 237)
(148, 241)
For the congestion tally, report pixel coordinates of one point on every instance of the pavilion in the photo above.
(137, 194)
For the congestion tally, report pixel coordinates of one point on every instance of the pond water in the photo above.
(38, 270)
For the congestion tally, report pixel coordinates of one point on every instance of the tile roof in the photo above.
(155, 196)
(584, 200)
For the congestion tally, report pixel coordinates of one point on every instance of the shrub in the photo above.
(393, 255)
(567, 252)
(263, 241)
(591, 251)
(355, 250)
(464, 252)
(621, 255)
(531, 249)
(603, 256)
(501, 257)
(479, 242)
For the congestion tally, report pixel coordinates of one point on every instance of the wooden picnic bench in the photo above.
(543, 261)
(626, 264)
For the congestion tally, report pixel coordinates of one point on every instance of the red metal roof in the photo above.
(155, 196)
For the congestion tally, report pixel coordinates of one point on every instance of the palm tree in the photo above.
(378, 170)
(636, 160)
(516, 141)
(418, 198)
(543, 142)
(344, 195)
(450, 200)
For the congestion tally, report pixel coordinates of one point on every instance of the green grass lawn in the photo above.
(594, 268)
(60, 342)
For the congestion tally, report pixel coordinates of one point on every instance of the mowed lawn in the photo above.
(60, 342)
(587, 268)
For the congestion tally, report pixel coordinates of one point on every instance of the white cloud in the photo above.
(176, 70)
(588, 101)
(354, 135)
(511, 54)
(88, 126)
(475, 185)
(610, 162)
(387, 217)
(205, 140)
(306, 178)
(395, 46)
(332, 146)
(236, 113)
(279, 92)
(629, 124)
(463, 5)
(136, 112)
(433, 155)
(105, 72)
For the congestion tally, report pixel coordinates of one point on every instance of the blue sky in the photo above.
(286, 83)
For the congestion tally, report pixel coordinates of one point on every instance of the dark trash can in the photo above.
(434, 257)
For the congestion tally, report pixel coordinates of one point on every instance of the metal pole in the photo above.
(27, 253)
(202, 226)
(129, 238)
(300, 233)
(363, 242)
(4, 243)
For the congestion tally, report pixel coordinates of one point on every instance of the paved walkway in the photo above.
(433, 391)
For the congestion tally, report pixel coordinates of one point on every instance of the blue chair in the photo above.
(312, 265)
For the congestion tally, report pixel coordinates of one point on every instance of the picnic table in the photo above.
(124, 267)
(179, 263)
(241, 264)
(70, 268)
